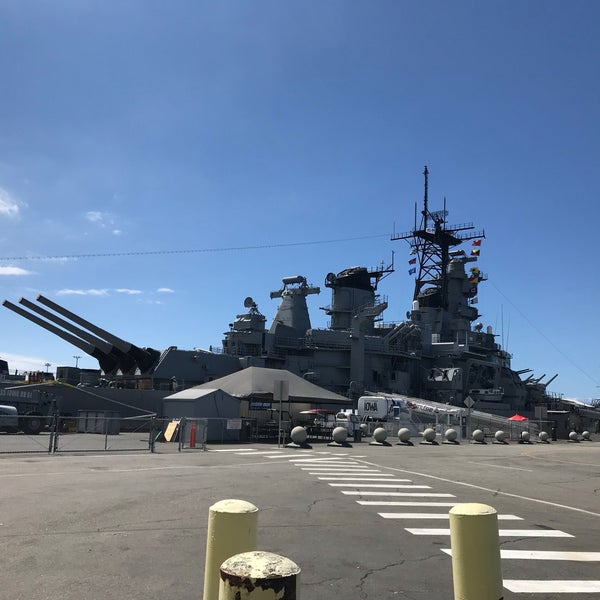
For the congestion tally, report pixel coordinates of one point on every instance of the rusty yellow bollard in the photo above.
(259, 576)
(231, 530)
(475, 552)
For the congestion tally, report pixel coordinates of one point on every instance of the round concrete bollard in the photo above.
(451, 436)
(340, 435)
(500, 436)
(231, 530)
(404, 435)
(475, 545)
(298, 435)
(543, 435)
(259, 576)
(364, 429)
(587, 436)
(478, 436)
(525, 436)
(380, 435)
(429, 435)
(573, 437)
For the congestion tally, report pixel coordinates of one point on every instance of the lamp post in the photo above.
(76, 360)
(48, 365)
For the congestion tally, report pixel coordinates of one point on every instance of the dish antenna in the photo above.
(248, 302)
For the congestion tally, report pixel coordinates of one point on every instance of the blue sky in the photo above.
(278, 138)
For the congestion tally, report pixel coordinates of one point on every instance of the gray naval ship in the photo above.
(441, 352)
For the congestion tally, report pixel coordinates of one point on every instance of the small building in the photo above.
(216, 406)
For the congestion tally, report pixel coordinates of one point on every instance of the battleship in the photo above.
(440, 352)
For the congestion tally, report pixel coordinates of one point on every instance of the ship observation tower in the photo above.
(430, 243)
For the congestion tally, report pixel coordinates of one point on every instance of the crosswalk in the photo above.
(355, 479)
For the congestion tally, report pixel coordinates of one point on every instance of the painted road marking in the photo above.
(232, 449)
(400, 503)
(395, 494)
(552, 586)
(270, 452)
(501, 532)
(337, 473)
(369, 478)
(423, 515)
(381, 485)
(573, 556)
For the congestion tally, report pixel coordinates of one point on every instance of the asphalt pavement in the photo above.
(364, 522)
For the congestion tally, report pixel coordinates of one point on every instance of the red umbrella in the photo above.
(518, 417)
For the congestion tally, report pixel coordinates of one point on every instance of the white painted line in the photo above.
(552, 586)
(472, 462)
(381, 485)
(423, 515)
(341, 468)
(271, 452)
(397, 503)
(397, 494)
(363, 479)
(338, 465)
(364, 473)
(501, 532)
(545, 555)
(321, 461)
(231, 449)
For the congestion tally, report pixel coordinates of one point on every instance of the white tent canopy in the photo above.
(258, 383)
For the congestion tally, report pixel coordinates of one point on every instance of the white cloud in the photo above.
(14, 271)
(9, 207)
(104, 220)
(126, 291)
(91, 292)
(165, 291)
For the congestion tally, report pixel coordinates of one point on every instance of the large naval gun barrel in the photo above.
(113, 353)
(107, 363)
(124, 362)
(144, 358)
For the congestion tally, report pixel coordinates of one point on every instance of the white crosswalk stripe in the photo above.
(440, 516)
(501, 532)
(552, 586)
(573, 556)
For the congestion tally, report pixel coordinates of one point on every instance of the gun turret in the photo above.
(107, 363)
(124, 362)
(144, 358)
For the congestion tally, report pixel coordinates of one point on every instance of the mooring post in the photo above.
(259, 576)
(231, 530)
(475, 548)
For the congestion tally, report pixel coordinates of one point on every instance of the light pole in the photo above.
(76, 360)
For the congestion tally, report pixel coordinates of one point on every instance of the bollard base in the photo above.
(404, 444)
(340, 444)
(426, 443)
(524, 441)
(501, 443)
(303, 445)
(374, 443)
(448, 442)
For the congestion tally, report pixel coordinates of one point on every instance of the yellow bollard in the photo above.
(475, 552)
(259, 576)
(231, 530)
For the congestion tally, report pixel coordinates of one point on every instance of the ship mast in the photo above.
(430, 244)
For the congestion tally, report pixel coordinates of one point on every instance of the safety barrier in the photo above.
(235, 569)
